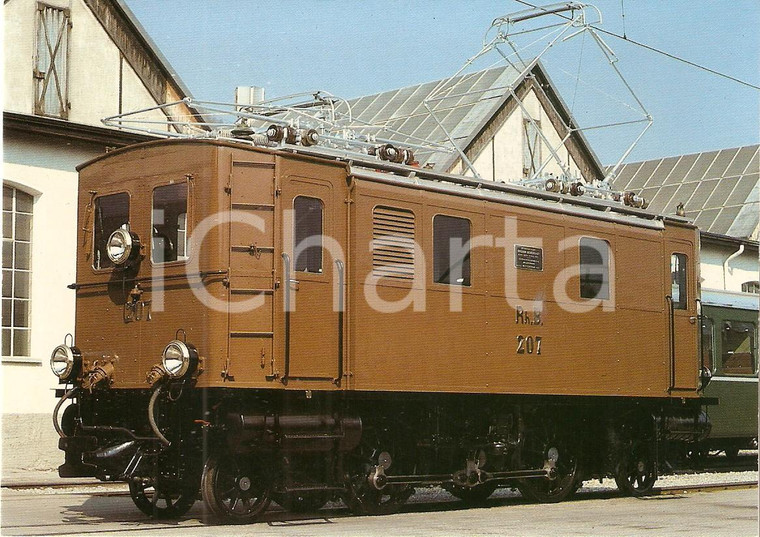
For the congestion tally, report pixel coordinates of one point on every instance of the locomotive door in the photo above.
(682, 316)
(313, 276)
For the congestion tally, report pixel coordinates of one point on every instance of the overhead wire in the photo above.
(653, 49)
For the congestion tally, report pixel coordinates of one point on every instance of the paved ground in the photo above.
(108, 511)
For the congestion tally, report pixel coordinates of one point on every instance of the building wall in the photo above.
(101, 83)
(502, 158)
(741, 269)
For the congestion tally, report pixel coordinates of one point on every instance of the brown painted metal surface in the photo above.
(621, 352)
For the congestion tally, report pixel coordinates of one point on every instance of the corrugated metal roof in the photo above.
(719, 189)
(467, 102)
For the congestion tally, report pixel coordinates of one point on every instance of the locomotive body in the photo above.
(271, 324)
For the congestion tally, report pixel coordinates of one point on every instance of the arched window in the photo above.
(751, 287)
(17, 271)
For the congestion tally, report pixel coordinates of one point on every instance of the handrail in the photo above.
(286, 307)
(340, 266)
(671, 341)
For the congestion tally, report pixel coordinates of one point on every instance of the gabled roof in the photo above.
(470, 101)
(719, 189)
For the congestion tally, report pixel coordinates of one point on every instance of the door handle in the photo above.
(693, 319)
(294, 283)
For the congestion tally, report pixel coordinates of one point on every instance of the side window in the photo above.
(308, 234)
(393, 243)
(111, 213)
(678, 280)
(169, 224)
(51, 70)
(595, 268)
(451, 254)
(739, 350)
(708, 357)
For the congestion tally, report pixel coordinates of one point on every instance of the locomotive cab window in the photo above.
(451, 250)
(308, 234)
(738, 346)
(595, 268)
(111, 213)
(169, 224)
(678, 280)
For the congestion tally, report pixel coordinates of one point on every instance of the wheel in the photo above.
(636, 470)
(732, 453)
(473, 495)
(363, 498)
(302, 502)
(164, 501)
(548, 446)
(234, 489)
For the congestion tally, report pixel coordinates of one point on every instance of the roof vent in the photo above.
(249, 95)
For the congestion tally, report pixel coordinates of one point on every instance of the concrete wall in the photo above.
(741, 269)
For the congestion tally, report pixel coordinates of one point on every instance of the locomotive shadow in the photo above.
(117, 508)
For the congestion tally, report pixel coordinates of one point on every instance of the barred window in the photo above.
(531, 147)
(17, 271)
(51, 70)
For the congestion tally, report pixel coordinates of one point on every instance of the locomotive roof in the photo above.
(731, 299)
(371, 169)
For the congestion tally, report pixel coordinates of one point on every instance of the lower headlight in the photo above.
(180, 359)
(65, 361)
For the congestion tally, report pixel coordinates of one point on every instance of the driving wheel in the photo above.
(163, 501)
(234, 489)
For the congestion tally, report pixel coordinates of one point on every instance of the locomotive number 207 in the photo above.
(528, 345)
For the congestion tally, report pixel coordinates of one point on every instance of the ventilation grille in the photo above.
(393, 243)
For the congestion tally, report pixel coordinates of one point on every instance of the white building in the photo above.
(68, 64)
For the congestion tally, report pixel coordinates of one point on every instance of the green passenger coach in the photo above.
(729, 349)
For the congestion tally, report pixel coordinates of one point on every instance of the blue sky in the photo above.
(363, 47)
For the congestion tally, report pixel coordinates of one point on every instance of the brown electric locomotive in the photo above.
(258, 324)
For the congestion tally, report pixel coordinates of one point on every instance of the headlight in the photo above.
(123, 246)
(179, 359)
(65, 361)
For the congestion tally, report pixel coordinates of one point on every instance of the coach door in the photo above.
(682, 316)
(313, 276)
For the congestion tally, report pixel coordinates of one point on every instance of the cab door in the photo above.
(681, 311)
(313, 277)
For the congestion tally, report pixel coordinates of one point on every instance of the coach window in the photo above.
(595, 268)
(451, 250)
(111, 213)
(169, 223)
(708, 358)
(739, 349)
(308, 234)
(678, 280)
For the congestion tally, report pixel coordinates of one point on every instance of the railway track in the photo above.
(711, 487)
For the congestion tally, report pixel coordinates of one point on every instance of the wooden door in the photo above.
(312, 280)
(682, 315)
